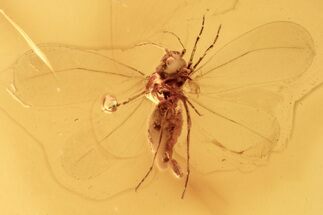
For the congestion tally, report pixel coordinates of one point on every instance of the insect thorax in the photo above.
(168, 79)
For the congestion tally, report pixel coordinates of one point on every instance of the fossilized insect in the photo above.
(230, 108)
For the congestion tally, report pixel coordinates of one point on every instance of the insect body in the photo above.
(164, 87)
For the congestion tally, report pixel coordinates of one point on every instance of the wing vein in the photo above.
(122, 122)
(236, 58)
(233, 121)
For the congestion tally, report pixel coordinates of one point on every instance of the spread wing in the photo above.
(90, 152)
(132, 22)
(247, 96)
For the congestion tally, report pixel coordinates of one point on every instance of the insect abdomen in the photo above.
(165, 126)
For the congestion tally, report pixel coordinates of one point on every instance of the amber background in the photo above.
(290, 184)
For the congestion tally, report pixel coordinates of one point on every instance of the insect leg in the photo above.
(195, 45)
(131, 98)
(155, 155)
(189, 123)
(194, 108)
(208, 49)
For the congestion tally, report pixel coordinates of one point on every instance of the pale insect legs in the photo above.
(164, 88)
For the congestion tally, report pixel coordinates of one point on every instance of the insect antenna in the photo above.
(195, 44)
(189, 123)
(155, 155)
(149, 43)
(208, 49)
(178, 39)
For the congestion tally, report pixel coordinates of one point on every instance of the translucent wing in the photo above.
(81, 76)
(125, 18)
(91, 153)
(246, 97)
